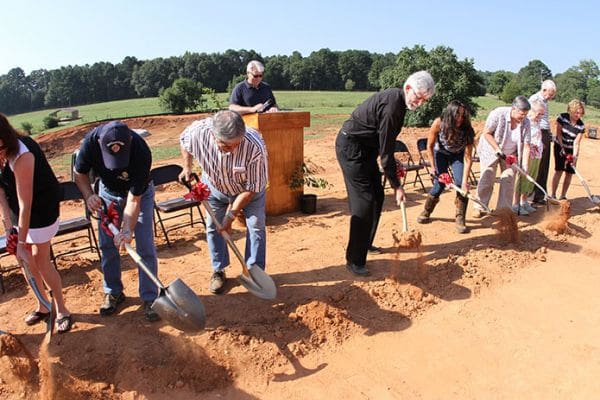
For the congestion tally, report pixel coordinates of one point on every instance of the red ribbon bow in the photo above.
(510, 160)
(400, 171)
(111, 216)
(569, 159)
(198, 192)
(11, 242)
(445, 178)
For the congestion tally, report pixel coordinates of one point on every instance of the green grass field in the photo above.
(335, 105)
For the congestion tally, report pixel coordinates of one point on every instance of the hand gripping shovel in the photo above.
(593, 198)
(177, 303)
(253, 278)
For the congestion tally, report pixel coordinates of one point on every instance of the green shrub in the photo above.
(184, 94)
(50, 122)
(27, 127)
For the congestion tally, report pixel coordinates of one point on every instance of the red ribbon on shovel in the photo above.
(198, 192)
(400, 171)
(510, 160)
(110, 216)
(445, 178)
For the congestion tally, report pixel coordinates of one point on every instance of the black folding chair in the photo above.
(70, 191)
(166, 174)
(407, 162)
(422, 148)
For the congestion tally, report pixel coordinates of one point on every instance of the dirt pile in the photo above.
(18, 369)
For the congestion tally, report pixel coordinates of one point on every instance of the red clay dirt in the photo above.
(251, 345)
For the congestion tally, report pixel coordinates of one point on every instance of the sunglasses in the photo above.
(256, 76)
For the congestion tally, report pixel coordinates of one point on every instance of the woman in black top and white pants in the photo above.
(29, 200)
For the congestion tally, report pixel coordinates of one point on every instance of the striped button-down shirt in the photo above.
(242, 170)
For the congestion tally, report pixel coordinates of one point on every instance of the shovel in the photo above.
(408, 239)
(38, 294)
(593, 198)
(253, 278)
(446, 179)
(530, 179)
(177, 303)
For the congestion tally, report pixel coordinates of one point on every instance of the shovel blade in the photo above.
(259, 283)
(180, 307)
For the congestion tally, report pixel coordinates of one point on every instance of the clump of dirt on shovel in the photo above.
(506, 225)
(559, 222)
(410, 240)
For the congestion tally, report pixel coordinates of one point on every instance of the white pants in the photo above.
(486, 185)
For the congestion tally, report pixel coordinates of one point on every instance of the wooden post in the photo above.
(283, 133)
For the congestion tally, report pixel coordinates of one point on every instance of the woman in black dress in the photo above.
(29, 202)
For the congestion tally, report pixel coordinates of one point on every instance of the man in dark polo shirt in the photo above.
(370, 132)
(122, 160)
(253, 95)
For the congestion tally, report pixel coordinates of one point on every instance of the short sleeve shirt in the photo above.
(135, 178)
(246, 95)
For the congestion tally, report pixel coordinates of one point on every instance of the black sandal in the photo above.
(36, 317)
(64, 324)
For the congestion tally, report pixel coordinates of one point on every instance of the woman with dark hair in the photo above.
(29, 202)
(450, 145)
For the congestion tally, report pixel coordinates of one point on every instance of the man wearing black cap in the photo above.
(122, 161)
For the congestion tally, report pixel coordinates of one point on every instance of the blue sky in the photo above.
(496, 34)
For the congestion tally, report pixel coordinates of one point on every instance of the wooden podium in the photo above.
(283, 133)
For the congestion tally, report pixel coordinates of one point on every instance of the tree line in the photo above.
(321, 70)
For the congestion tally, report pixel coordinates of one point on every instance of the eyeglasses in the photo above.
(421, 98)
(256, 76)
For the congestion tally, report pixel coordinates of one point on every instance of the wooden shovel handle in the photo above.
(404, 219)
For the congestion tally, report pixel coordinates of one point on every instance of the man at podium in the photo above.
(253, 95)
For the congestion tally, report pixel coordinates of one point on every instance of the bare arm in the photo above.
(92, 200)
(5, 211)
(237, 206)
(468, 161)
(187, 164)
(245, 109)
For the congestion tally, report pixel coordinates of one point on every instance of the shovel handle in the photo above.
(33, 284)
(404, 219)
(470, 197)
(584, 184)
(227, 237)
(138, 260)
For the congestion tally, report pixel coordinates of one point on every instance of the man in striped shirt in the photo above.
(233, 159)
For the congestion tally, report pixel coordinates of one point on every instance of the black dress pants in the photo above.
(365, 194)
(542, 176)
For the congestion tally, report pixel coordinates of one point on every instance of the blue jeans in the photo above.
(144, 244)
(443, 162)
(256, 235)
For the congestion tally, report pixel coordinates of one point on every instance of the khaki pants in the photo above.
(486, 185)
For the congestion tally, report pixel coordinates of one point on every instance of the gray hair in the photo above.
(255, 65)
(228, 125)
(421, 82)
(537, 103)
(521, 103)
(549, 84)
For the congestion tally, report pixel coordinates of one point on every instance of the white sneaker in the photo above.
(519, 210)
(528, 207)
